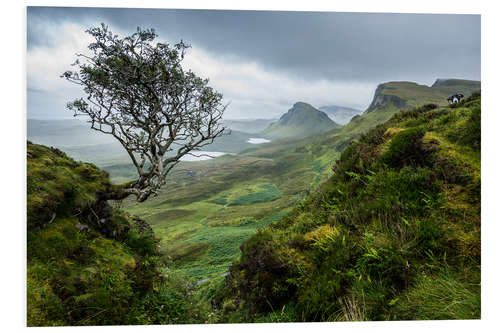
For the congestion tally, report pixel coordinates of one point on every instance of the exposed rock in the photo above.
(382, 98)
(82, 227)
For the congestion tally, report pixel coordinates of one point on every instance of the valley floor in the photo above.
(207, 209)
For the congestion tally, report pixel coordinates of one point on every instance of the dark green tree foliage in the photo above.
(139, 93)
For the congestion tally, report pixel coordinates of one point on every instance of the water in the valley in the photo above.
(257, 141)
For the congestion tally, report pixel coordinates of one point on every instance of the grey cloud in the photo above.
(311, 45)
(35, 90)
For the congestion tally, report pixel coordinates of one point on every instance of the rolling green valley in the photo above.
(368, 211)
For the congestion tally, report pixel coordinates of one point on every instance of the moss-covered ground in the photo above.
(90, 264)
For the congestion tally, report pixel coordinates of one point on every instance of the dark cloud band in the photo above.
(312, 45)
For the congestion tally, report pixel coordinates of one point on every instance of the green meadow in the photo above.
(208, 209)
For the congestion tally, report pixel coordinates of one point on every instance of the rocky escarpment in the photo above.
(398, 95)
(383, 96)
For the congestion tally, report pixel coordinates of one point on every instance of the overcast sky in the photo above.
(264, 61)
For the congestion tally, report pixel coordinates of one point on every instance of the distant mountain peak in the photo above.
(301, 120)
(301, 104)
(340, 114)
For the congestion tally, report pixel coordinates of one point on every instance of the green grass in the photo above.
(391, 231)
(55, 183)
(223, 244)
(256, 184)
(393, 234)
(263, 193)
(442, 297)
(221, 200)
(202, 238)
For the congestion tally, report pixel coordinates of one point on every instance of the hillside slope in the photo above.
(402, 94)
(300, 121)
(89, 263)
(192, 207)
(392, 97)
(399, 217)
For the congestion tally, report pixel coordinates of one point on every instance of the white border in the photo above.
(13, 18)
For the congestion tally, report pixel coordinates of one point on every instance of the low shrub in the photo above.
(171, 302)
(406, 149)
(471, 134)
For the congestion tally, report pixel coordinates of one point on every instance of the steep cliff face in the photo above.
(383, 97)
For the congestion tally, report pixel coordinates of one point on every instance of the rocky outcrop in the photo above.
(382, 97)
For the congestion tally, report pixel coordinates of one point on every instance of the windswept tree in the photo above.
(138, 92)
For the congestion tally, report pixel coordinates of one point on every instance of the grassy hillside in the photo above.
(363, 238)
(189, 205)
(392, 97)
(300, 121)
(89, 263)
(78, 141)
(207, 209)
(393, 234)
(410, 94)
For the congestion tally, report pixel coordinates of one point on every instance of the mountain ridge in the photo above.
(300, 121)
(408, 94)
